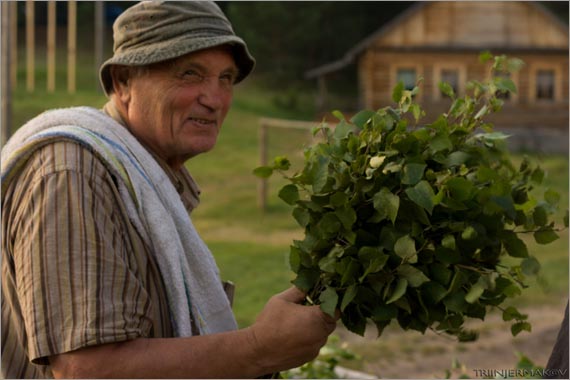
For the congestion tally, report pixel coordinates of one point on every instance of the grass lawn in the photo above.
(251, 247)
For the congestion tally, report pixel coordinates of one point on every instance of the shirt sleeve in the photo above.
(75, 280)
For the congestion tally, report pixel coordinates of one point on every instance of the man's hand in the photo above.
(287, 334)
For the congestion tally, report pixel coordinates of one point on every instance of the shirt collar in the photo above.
(181, 179)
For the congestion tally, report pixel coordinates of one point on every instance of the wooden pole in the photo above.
(13, 16)
(30, 46)
(263, 135)
(262, 188)
(99, 38)
(6, 108)
(51, 27)
(71, 45)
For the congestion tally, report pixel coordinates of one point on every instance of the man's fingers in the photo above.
(293, 294)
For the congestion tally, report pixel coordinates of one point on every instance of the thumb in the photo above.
(293, 294)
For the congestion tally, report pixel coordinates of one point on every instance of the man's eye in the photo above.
(228, 79)
(193, 76)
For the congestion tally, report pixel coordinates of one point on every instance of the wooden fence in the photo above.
(265, 124)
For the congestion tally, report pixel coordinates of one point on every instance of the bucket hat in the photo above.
(156, 31)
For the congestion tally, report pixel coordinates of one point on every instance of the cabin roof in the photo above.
(367, 42)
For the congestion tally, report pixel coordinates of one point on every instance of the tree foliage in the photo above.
(291, 37)
(288, 38)
(411, 222)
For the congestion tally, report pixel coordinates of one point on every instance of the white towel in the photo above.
(188, 269)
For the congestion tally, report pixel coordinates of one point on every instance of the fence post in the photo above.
(99, 37)
(30, 46)
(6, 107)
(71, 45)
(262, 189)
(13, 16)
(51, 28)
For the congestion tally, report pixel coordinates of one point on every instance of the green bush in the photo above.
(411, 221)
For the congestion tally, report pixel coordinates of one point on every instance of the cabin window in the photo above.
(451, 77)
(406, 76)
(545, 84)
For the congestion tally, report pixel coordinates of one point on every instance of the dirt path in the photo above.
(400, 354)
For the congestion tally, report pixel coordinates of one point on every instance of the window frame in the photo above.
(437, 71)
(533, 73)
(405, 66)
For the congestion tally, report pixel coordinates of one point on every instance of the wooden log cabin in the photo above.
(441, 41)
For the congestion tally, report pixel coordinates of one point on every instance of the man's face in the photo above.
(177, 108)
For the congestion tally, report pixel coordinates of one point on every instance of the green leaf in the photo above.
(295, 259)
(361, 118)
(537, 176)
(511, 313)
(446, 89)
(399, 290)
(515, 247)
(476, 291)
(289, 193)
(302, 216)
(485, 56)
(540, 216)
(398, 92)
(350, 272)
(469, 233)
(566, 219)
(512, 291)
(375, 265)
(552, 197)
(412, 173)
(318, 174)
(387, 204)
(405, 247)
(281, 163)
(349, 295)
(456, 159)
(338, 199)
(329, 300)
(329, 224)
(530, 266)
(515, 64)
(342, 130)
(456, 301)
(347, 216)
(482, 112)
(416, 111)
(440, 142)
(448, 241)
(545, 236)
(384, 312)
(460, 188)
(422, 194)
(505, 85)
(338, 114)
(353, 320)
(306, 279)
(414, 276)
(434, 291)
(263, 171)
(328, 264)
(520, 326)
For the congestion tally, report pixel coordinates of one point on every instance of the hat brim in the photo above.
(147, 55)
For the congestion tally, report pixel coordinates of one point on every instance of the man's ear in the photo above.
(121, 77)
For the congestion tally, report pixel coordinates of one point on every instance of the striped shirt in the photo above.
(75, 272)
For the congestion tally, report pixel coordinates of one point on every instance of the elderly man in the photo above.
(103, 273)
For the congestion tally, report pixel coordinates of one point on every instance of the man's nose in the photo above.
(212, 93)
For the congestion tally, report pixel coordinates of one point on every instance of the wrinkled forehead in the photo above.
(215, 59)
